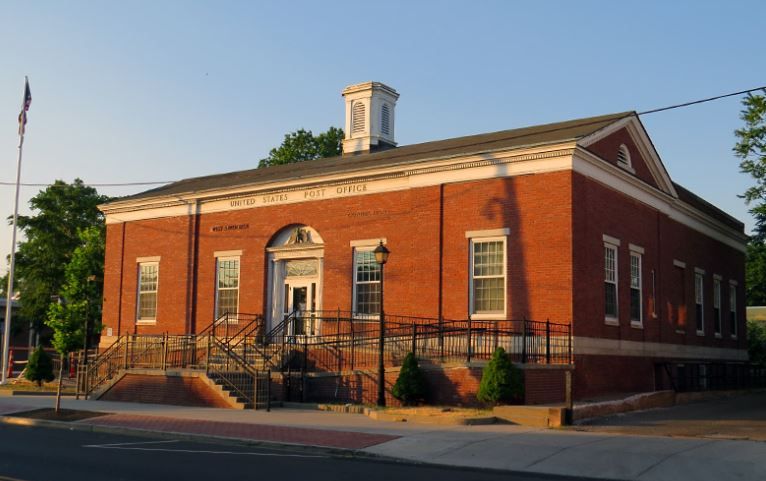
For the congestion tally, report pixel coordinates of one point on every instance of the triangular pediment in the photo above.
(646, 162)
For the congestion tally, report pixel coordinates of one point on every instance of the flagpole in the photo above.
(9, 292)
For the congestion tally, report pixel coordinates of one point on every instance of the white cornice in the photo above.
(437, 165)
(487, 165)
(594, 167)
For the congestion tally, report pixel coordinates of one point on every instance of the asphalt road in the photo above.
(736, 417)
(44, 454)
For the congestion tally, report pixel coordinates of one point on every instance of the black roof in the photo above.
(408, 154)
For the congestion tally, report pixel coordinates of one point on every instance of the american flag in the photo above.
(25, 107)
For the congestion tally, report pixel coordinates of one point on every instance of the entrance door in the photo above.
(300, 301)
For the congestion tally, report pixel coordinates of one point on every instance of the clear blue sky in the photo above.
(144, 91)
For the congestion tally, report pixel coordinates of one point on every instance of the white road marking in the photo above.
(200, 451)
(129, 444)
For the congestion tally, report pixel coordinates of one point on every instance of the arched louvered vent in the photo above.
(623, 156)
(357, 117)
(385, 120)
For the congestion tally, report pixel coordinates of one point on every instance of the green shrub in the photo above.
(410, 386)
(39, 367)
(501, 381)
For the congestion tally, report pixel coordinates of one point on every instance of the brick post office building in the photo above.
(576, 222)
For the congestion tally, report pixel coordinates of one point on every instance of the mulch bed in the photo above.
(50, 414)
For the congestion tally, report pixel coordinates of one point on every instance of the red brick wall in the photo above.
(535, 208)
(175, 390)
(544, 386)
(600, 210)
(597, 376)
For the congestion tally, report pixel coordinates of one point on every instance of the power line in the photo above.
(645, 112)
(702, 101)
(118, 184)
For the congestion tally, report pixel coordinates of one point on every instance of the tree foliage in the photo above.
(51, 234)
(756, 342)
(751, 149)
(303, 145)
(81, 293)
(39, 367)
(501, 381)
(410, 386)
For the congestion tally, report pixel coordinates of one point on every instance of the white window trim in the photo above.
(699, 274)
(152, 261)
(733, 308)
(217, 289)
(368, 242)
(639, 254)
(612, 243)
(610, 240)
(717, 284)
(677, 263)
(365, 245)
(233, 253)
(493, 235)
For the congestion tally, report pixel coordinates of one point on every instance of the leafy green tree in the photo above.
(81, 294)
(755, 273)
(756, 342)
(303, 145)
(751, 150)
(39, 367)
(60, 212)
(501, 381)
(410, 386)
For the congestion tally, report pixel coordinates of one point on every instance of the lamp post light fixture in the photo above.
(381, 257)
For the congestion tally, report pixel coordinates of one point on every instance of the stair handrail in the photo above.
(90, 377)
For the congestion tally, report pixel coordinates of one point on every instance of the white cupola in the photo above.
(370, 108)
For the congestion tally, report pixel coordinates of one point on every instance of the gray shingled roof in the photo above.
(408, 154)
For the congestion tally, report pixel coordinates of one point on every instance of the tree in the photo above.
(751, 149)
(81, 295)
(501, 381)
(39, 367)
(303, 145)
(410, 386)
(60, 212)
(756, 342)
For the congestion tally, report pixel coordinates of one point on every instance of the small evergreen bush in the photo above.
(410, 386)
(501, 381)
(39, 367)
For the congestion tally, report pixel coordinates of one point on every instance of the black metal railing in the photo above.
(705, 376)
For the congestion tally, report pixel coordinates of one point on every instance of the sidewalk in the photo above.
(505, 447)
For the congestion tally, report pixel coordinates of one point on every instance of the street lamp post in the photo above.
(381, 257)
(88, 280)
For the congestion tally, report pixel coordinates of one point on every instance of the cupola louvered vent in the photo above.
(385, 120)
(357, 115)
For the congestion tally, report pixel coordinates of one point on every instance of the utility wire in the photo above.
(645, 112)
(702, 101)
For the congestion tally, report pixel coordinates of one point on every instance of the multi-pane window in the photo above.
(366, 282)
(148, 277)
(733, 309)
(610, 281)
(227, 286)
(717, 307)
(698, 302)
(488, 276)
(635, 288)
